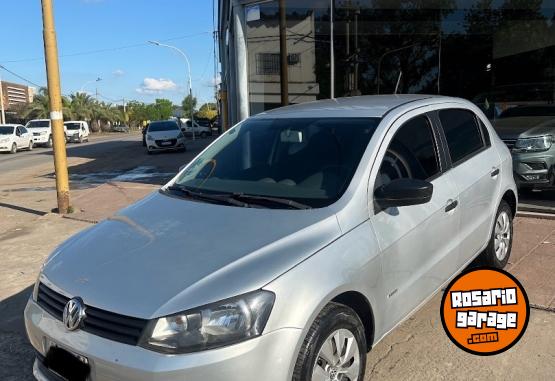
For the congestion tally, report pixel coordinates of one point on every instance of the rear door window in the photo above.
(463, 134)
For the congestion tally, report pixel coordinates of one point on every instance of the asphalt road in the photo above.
(26, 159)
(106, 158)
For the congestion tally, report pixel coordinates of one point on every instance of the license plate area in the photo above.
(166, 143)
(67, 365)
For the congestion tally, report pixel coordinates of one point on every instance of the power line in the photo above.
(20, 77)
(105, 50)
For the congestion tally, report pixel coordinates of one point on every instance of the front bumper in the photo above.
(72, 138)
(534, 170)
(5, 147)
(152, 146)
(270, 357)
(41, 139)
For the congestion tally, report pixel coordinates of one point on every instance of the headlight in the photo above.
(149, 137)
(216, 325)
(542, 143)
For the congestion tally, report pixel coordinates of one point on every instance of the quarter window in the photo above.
(462, 132)
(411, 154)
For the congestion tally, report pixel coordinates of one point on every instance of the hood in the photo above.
(161, 135)
(163, 255)
(524, 126)
(39, 129)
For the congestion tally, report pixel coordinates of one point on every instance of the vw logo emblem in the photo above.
(74, 313)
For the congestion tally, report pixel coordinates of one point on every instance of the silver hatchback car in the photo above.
(284, 251)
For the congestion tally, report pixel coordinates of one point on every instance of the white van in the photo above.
(76, 131)
(41, 130)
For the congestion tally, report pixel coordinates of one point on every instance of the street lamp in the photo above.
(98, 79)
(157, 43)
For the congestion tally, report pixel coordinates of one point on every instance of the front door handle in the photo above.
(495, 172)
(451, 205)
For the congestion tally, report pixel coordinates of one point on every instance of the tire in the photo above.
(14, 148)
(31, 145)
(80, 140)
(203, 135)
(49, 143)
(334, 322)
(501, 238)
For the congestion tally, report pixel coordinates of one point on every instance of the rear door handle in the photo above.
(451, 205)
(495, 172)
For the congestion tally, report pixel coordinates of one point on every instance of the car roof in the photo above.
(375, 106)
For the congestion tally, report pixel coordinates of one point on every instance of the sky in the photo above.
(107, 39)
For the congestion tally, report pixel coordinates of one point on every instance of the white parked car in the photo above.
(200, 131)
(42, 131)
(14, 137)
(76, 131)
(164, 135)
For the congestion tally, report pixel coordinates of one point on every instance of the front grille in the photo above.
(510, 143)
(536, 166)
(112, 326)
(164, 143)
(36, 133)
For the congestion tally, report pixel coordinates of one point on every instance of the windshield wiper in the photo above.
(209, 197)
(275, 200)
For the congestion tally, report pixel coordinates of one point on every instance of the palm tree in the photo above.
(40, 107)
(82, 106)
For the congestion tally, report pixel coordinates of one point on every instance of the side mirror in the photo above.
(404, 192)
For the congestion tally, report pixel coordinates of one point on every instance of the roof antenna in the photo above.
(398, 82)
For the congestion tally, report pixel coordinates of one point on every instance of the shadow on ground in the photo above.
(16, 353)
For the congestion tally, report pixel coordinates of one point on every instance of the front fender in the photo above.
(350, 263)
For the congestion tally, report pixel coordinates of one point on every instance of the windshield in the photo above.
(162, 126)
(38, 124)
(307, 160)
(72, 126)
(528, 111)
(6, 130)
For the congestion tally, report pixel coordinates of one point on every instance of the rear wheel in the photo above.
(334, 348)
(14, 148)
(498, 251)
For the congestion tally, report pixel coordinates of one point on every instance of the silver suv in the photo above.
(284, 251)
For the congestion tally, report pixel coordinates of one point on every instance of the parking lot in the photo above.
(113, 171)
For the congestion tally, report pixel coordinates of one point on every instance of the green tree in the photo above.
(189, 105)
(40, 107)
(163, 109)
(207, 111)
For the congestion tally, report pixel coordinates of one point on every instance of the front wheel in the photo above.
(498, 251)
(31, 145)
(334, 348)
(14, 148)
(49, 143)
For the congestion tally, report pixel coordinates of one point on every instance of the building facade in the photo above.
(497, 53)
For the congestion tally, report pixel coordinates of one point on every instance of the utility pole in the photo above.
(3, 115)
(283, 54)
(55, 100)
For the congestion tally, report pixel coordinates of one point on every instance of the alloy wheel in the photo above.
(502, 238)
(338, 359)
